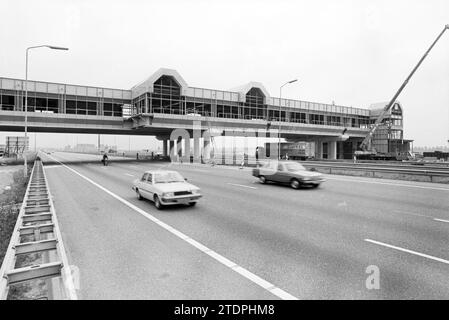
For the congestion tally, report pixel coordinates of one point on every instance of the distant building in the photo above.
(85, 148)
(389, 136)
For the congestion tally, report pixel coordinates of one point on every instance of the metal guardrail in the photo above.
(435, 176)
(375, 170)
(407, 169)
(37, 220)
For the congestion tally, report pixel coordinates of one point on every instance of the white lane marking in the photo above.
(226, 262)
(421, 215)
(241, 185)
(128, 174)
(408, 251)
(441, 220)
(388, 183)
(412, 214)
(52, 167)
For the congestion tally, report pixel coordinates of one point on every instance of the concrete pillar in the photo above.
(179, 147)
(223, 150)
(206, 150)
(341, 153)
(172, 150)
(165, 147)
(245, 150)
(196, 141)
(332, 153)
(318, 149)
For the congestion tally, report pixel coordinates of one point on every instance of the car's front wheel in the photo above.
(262, 179)
(192, 204)
(157, 203)
(139, 196)
(294, 183)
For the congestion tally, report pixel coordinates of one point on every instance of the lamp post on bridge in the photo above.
(280, 105)
(25, 171)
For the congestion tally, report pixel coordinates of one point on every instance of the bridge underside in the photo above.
(161, 126)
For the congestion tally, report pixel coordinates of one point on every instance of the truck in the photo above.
(294, 150)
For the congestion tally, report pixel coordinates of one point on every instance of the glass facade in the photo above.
(166, 96)
(62, 98)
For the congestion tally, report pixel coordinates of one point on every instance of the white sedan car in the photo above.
(165, 188)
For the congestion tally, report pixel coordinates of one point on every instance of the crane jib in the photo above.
(393, 100)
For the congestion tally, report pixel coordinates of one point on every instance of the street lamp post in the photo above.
(25, 173)
(280, 104)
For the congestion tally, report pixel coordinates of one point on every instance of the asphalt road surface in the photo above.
(247, 240)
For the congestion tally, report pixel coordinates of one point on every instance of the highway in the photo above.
(268, 241)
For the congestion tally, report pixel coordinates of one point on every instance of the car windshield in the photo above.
(167, 177)
(294, 166)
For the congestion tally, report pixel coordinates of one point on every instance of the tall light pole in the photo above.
(280, 104)
(26, 99)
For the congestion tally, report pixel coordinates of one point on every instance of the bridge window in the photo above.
(317, 119)
(396, 110)
(166, 97)
(53, 105)
(117, 109)
(298, 117)
(254, 107)
(7, 102)
(334, 121)
(70, 106)
(91, 108)
(196, 107)
(107, 109)
(81, 107)
(274, 115)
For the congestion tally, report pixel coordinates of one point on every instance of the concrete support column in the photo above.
(341, 153)
(179, 147)
(332, 153)
(164, 148)
(318, 149)
(223, 150)
(234, 151)
(196, 141)
(206, 150)
(172, 150)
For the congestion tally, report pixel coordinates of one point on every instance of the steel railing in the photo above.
(37, 220)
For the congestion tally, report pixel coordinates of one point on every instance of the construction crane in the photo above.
(365, 146)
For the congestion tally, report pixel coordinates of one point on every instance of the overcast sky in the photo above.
(353, 52)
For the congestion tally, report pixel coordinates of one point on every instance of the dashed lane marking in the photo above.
(388, 183)
(408, 251)
(241, 185)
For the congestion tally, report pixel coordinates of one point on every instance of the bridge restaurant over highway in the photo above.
(164, 102)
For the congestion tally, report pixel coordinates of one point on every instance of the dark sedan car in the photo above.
(288, 172)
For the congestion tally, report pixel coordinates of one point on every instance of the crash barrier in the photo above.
(374, 170)
(37, 232)
(385, 172)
